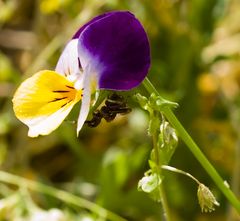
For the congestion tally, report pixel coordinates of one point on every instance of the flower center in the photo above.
(67, 95)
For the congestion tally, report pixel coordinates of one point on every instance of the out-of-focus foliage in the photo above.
(195, 49)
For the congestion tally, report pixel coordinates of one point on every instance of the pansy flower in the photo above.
(109, 52)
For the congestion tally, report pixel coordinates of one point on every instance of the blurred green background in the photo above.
(195, 49)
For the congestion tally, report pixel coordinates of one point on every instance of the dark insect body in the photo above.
(115, 104)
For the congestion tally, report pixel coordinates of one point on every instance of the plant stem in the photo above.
(154, 137)
(195, 150)
(173, 169)
(59, 194)
(166, 212)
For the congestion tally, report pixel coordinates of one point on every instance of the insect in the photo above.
(114, 104)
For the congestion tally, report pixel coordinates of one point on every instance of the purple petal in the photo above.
(69, 57)
(77, 34)
(116, 48)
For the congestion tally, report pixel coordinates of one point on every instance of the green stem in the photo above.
(59, 194)
(195, 150)
(166, 211)
(155, 146)
(175, 170)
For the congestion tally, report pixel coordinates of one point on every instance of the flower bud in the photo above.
(206, 199)
(149, 183)
(169, 133)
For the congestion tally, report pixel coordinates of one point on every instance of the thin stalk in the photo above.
(195, 150)
(173, 169)
(154, 137)
(59, 194)
(166, 211)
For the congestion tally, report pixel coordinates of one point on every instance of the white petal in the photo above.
(68, 63)
(44, 125)
(86, 99)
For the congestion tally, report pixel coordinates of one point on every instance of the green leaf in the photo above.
(167, 142)
(143, 101)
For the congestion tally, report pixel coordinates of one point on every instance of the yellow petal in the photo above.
(43, 101)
